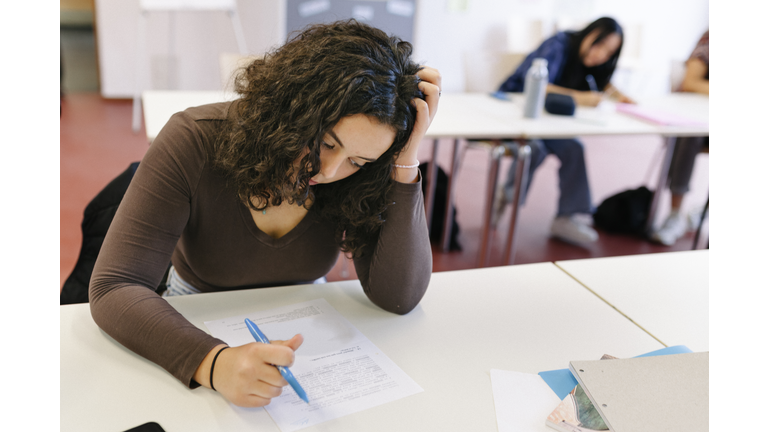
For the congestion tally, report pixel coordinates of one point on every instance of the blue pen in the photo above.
(592, 83)
(284, 371)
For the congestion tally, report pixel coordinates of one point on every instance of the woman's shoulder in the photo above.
(214, 111)
(558, 40)
(190, 136)
(202, 123)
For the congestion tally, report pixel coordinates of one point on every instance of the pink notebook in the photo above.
(656, 116)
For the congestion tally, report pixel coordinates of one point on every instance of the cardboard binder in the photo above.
(662, 393)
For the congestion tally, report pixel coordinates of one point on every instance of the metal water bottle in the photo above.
(535, 88)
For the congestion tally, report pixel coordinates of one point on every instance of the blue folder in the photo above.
(562, 381)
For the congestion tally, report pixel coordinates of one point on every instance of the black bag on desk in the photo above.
(560, 104)
(438, 208)
(626, 212)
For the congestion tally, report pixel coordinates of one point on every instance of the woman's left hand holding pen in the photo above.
(246, 375)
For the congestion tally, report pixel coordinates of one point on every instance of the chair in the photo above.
(173, 6)
(484, 71)
(97, 218)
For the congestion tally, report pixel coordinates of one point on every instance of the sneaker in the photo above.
(499, 205)
(572, 230)
(672, 229)
(694, 219)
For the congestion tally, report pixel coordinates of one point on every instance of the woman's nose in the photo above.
(331, 164)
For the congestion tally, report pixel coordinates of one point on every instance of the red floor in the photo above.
(97, 144)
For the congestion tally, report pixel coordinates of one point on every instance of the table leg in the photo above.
(485, 240)
(448, 221)
(431, 185)
(660, 185)
(701, 224)
(139, 69)
(521, 179)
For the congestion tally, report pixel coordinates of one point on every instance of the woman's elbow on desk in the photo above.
(399, 298)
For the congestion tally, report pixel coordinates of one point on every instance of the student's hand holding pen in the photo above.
(587, 98)
(583, 98)
(246, 375)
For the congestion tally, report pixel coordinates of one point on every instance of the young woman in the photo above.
(580, 65)
(318, 155)
(696, 80)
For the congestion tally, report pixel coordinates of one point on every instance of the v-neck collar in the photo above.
(309, 219)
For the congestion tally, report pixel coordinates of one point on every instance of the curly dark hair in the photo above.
(297, 93)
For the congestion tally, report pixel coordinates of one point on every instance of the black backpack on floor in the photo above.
(438, 208)
(626, 212)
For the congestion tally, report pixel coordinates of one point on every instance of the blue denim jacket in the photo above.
(554, 49)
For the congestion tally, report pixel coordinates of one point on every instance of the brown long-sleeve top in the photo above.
(179, 208)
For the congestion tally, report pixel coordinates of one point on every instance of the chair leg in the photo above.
(523, 161)
(701, 224)
(660, 184)
(448, 221)
(485, 240)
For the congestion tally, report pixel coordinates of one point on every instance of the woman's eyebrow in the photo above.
(333, 135)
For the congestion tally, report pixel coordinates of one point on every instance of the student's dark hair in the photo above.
(293, 96)
(575, 73)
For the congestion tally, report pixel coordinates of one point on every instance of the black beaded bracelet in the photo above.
(213, 363)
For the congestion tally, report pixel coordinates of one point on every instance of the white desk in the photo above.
(666, 293)
(482, 117)
(526, 318)
(160, 105)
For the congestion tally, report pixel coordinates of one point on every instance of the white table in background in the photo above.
(479, 116)
(526, 318)
(160, 105)
(667, 294)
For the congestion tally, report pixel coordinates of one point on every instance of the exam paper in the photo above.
(523, 401)
(340, 369)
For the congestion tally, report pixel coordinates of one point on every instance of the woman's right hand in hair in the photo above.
(587, 98)
(246, 375)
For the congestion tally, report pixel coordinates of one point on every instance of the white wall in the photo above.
(668, 30)
(195, 43)
(662, 30)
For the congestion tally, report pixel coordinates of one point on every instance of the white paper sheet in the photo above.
(523, 401)
(340, 369)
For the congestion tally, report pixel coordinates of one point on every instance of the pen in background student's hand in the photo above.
(592, 84)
